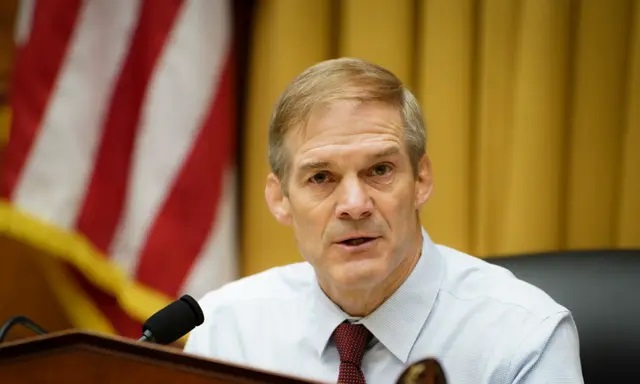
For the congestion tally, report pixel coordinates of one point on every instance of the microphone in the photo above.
(21, 320)
(425, 371)
(173, 321)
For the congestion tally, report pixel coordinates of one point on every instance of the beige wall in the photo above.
(532, 108)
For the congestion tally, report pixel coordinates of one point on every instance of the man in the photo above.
(349, 174)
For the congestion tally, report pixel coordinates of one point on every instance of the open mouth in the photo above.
(357, 241)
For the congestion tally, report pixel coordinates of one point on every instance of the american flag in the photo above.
(122, 144)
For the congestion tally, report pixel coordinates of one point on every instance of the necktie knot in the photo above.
(351, 341)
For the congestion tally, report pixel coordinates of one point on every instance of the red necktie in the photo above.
(351, 341)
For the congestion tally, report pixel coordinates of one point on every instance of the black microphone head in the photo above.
(175, 320)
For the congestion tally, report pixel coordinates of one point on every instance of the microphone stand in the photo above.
(425, 371)
(147, 336)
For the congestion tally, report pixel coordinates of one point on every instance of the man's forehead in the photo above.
(305, 137)
(345, 128)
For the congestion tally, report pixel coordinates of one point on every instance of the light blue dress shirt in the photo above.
(482, 324)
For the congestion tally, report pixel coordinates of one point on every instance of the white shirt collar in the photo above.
(398, 321)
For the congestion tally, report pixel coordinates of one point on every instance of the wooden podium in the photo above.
(85, 357)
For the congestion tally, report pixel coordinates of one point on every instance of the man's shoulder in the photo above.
(276, 283)
(240, 312)
(471, 278)
(517, 327)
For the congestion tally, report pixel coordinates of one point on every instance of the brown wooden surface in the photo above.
(25, 291)
(8, 9)
(86, 357)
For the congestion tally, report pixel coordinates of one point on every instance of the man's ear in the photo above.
(424, 181)
(276, 200)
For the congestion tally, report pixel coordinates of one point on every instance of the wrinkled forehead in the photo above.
(347, 129)
(340, 119)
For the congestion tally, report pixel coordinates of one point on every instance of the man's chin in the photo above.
(359, 274)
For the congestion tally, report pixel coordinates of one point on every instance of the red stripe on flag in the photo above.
(36, 69)
(106, 193)
(184, 222)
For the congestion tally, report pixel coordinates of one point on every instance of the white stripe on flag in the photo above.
(58, 169)
(24, 21)
(179, 96)
(217, 263)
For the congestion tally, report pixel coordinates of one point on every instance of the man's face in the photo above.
(352, 195)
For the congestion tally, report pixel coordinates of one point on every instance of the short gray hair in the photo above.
(342, 79)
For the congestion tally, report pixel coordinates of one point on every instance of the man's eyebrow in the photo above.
(387, 152)
(313, 165)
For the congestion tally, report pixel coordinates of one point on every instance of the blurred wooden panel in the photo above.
(25, 291)
(7, 18)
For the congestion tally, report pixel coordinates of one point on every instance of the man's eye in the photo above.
(381, 170)
(319, 178)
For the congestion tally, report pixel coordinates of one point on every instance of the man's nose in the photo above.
(354, 202)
